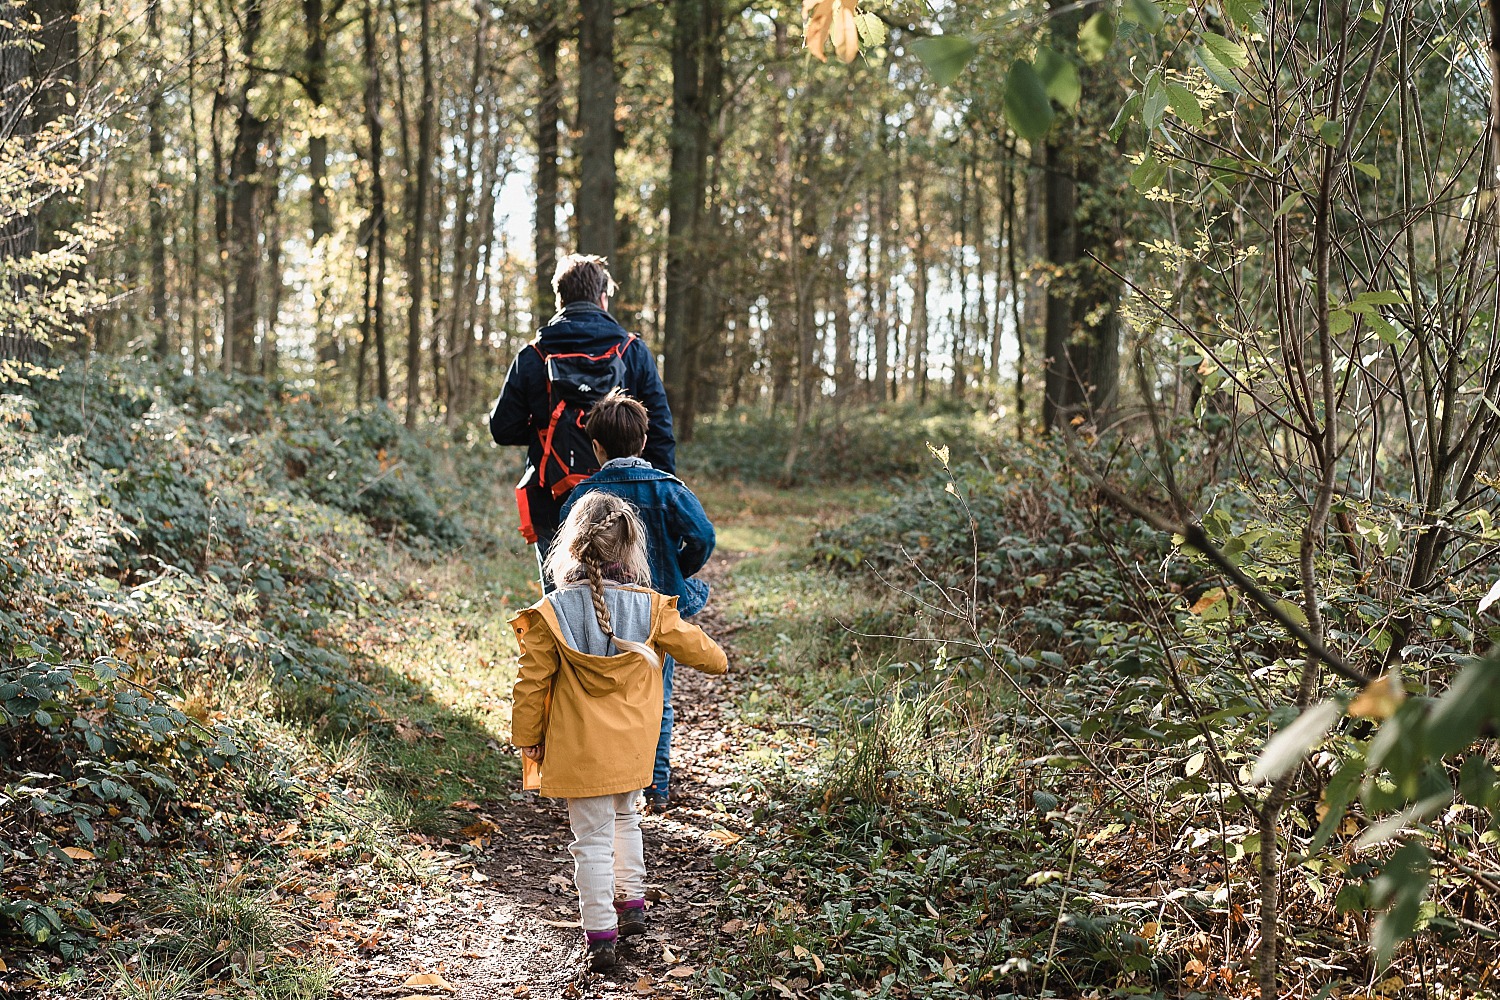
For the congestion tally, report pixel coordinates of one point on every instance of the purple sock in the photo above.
(629, 904)
(608, 935)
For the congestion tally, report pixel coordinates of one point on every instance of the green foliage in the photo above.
(851, 444)
(161, 540)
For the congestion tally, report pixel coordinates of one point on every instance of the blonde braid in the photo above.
(592, 567)
(596, 585)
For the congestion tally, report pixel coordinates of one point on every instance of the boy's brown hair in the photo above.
(618, 423)
(582, 277)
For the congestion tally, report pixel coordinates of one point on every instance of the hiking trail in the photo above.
(506, 925)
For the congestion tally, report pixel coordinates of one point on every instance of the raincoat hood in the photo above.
(597, 711)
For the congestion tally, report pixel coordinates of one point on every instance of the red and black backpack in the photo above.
(575, 382)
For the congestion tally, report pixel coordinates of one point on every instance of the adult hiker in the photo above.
(578, 358)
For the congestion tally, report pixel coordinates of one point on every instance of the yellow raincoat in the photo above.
(599, 716)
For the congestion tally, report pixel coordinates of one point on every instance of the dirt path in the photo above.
(507, 926)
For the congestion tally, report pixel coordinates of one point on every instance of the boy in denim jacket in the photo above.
(679, 536)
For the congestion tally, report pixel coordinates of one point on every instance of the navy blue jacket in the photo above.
(522, 412)
(679, 536)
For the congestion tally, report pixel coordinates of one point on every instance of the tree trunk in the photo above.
(244, 182)
(416, 233)
(372, 322)
(315, 82)
(596, 124)
(549, 96)
(156, 144)
(684, 207)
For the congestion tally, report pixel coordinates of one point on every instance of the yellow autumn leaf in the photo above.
(108, 897)
(1380, 698)
(78, 853)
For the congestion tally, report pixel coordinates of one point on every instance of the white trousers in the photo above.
(609, 862)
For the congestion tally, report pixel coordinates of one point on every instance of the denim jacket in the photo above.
(679, 536)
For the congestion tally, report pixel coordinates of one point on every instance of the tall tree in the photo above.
(548, 97)
(416, 225)
(373, 235)
(596, 124)
(156, 145)
(685, 179)
(243, 190)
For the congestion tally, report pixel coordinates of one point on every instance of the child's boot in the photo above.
(601, 950)
(632, 913)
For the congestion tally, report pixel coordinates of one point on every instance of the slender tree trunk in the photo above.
(195, 209)
(315, 83)
(218, 111)
(156, 144)
(919, 332)
(244, 182)
(596, 124)
(460, 333)
(548, 98)
(416, 233)
(372, 322)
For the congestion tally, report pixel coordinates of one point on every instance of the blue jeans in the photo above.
(661, 775)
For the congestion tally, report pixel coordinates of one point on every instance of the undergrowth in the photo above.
(194, 706)
(1013, 733)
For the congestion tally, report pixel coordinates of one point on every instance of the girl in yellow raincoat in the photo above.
(588, 701)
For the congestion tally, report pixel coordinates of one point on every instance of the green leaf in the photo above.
(1477, 780)
(1060, 77)
(1387, 331)
(1148, 175)
(1288, 203)
(1294, 611)
(1128, 110)
(872, 30)
(1027, 106)
(1243, 12)
(1381, 298)
(945, 56)
(1285, 750)
(1340, 791)
(1403, 879)
(1154, 104)
(1220, 74)
(1331, 132)
(1145, 13)
(1370, 170)
(1471, 701)
(1184, 105)
(1231, 54)
(1339, 321)
(1095, 36)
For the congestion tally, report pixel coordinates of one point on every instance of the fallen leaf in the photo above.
(429, 979)
(1149, 929)
(733, 927)
(522, 991)
(105, 898)
(681, 972)
(643, 986)
(78, 853)
(725, 837)
(562, 923)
